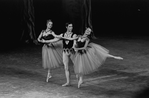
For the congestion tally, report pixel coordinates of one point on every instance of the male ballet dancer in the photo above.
(68, 41)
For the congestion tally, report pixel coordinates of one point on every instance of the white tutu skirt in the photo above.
(89, 61)
(52, 55)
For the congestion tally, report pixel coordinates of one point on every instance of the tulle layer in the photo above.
(52, 55)
(89, 61)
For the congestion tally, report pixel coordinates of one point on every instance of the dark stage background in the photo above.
(110, 18)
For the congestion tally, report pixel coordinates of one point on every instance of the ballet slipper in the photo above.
(66, 84)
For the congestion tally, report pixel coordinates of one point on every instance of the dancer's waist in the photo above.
(49, 44)
(82, 51)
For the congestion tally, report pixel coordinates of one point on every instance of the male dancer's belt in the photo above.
(71, 50)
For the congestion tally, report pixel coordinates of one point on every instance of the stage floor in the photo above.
(22, 76)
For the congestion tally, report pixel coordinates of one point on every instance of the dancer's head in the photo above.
(69, 27)
(49, 24)
(88, 31)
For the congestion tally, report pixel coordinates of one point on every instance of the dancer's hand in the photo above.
(40, 40)
(76, 49)
(43, 41)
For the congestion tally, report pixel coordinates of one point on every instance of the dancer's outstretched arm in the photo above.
(51, 41)
(57, 36)
(115, 57)
(74, 37)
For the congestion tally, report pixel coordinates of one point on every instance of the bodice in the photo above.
(47, 37)
(80, 44)
(67, 44)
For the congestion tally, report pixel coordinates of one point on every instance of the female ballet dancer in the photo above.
(51, 50)
(89, 56)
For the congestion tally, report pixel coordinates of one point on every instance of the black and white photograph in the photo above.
(74, 49)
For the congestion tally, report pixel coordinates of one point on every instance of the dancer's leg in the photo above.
(66, 61)
(77, 76)
(115, 57)
(48, 75)
(80, 81)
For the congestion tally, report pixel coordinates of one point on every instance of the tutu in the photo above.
(89, 60)
(52, 55)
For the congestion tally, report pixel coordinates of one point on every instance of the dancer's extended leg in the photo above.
(115, 57)
(77, 77)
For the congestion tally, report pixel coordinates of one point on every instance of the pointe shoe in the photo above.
(66, 84)
(48, 77)
(79, 83)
